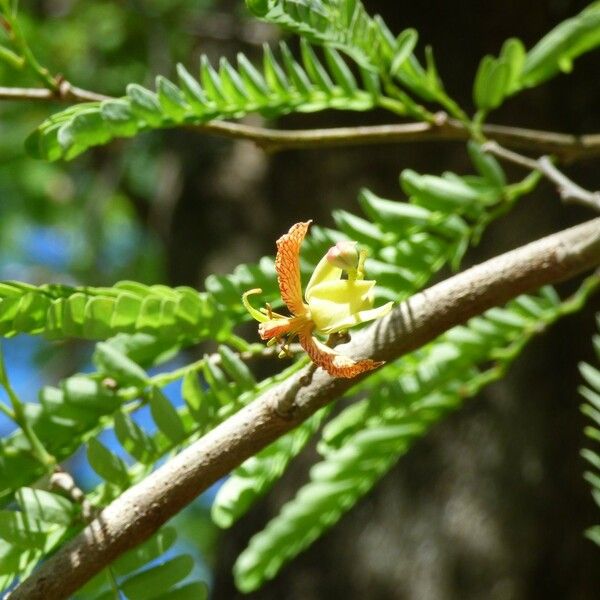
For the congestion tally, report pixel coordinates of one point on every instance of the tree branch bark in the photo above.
(566, 147)
(142, 509)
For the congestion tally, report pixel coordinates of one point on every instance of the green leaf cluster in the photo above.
(131, 577)
(281, 86)
(515, 69)
(40, 522)
(58, 311)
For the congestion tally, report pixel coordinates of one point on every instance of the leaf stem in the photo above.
(20, 418)
(18, 39)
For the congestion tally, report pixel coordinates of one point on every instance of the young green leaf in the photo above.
(340, 71)
(405, 44)
(195, 399)
(513, 54)
(151, 549)
(111, 361)
(557, 50)
(45, 506)
(19, 530)
(144, 104)
(108, 465)
(171, 99)
(150, 583)
(486, 164)
(491, 83)
(133, 438)
(165, 416)
(236, 368)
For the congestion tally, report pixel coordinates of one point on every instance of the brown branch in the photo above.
(142, 509)
(568, 190)
(566, 147)
(277, 140)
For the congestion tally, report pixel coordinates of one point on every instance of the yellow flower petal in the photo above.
(344, 291)
(362, 316)
(324, 271)
(332, 301)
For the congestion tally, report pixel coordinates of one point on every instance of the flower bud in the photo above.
(344, 255)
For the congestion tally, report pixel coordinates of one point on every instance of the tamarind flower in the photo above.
(330, 304)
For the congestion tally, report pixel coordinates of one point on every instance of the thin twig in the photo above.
(142, 509)
(568, 190)
(65, 92)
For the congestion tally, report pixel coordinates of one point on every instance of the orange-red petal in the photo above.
(287, 265)
(337, 365)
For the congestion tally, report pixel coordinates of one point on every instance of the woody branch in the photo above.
(141, 510)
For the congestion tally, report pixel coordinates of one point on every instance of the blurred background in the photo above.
(492, 503)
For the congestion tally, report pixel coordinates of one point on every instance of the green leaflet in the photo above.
(125, 371)
(166, 417)
(341, 24)
(157, 580)
(404, 400)
(255, 476)
(135, 441)
(557, 50)
(31, 532)
(46, 506)
(178, 314)
(591, 409)
(134, 579)
(107, 464)
(499, 77)
(227, 92)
